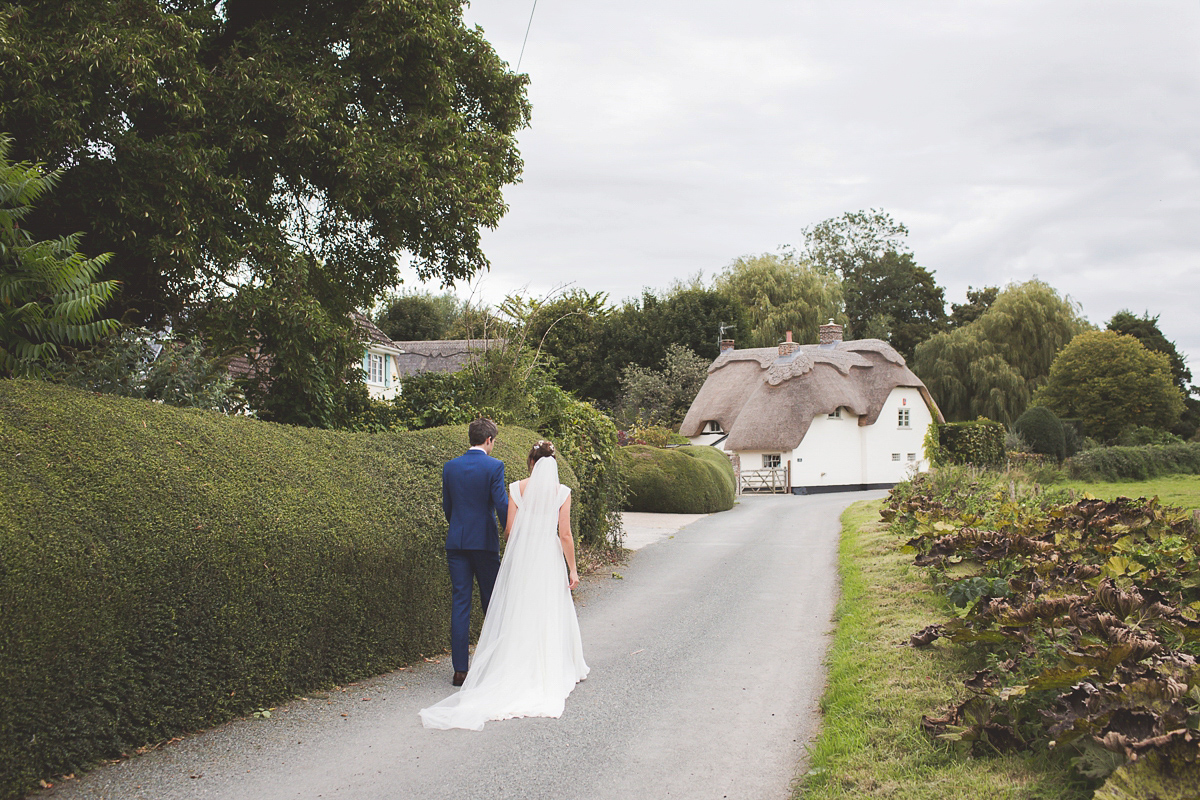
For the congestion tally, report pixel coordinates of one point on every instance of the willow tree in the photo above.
(779, 292)
(991, 367)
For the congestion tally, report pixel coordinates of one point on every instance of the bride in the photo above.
(529, 656)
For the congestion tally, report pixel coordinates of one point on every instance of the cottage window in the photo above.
(713, 426)
(771, 460)
(836, 414)
(375, 368)
(912, 456)
(895, 456)
(905, 419)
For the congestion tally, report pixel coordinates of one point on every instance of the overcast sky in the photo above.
(1015, 139)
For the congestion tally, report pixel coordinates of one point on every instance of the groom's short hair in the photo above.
(481, 430)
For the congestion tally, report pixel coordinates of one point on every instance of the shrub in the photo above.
(1140, 434)
(980, 442)
(1135, 463)
(1042, 431)
(682, 480)
(165, 569)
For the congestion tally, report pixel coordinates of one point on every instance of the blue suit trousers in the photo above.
(468, 567)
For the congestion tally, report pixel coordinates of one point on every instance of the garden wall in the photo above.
(164, 569)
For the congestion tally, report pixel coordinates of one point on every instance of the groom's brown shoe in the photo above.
(459, 677)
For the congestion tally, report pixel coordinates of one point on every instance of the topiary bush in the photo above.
(1135, 463)
(165, 569)
(980, 442)
(1042, 432)
(681, 480)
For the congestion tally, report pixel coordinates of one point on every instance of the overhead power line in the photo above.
(526, 39)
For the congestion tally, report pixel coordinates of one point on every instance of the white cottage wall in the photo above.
(831, 453)
(886, 439)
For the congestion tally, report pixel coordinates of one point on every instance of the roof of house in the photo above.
(370, 330)
(438, 355)
(766, 401)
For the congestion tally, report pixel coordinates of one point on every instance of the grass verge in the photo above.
(1173, 490)
(871, 743)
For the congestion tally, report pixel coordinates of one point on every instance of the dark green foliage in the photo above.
(1135, 463)
(1111, 381)
(178, 373)
(1083, 618)
(641, 330)
(201, 141)
(1042, 431)
(49, 295)
(978, 301)
(980, 442)
(681, 480)
(418, 316)
(1145, 329)
(167, 569)
(890, 297)
(661, 396)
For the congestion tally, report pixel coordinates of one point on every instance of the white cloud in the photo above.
(1014, 138)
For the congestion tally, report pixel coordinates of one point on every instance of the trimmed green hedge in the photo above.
(1043, 432)
(979, 442)
(680, 480)
(1135, 463)
(164, 569)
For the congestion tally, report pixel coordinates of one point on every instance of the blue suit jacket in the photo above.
(472, 495)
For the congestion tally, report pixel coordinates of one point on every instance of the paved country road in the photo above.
(706, 665)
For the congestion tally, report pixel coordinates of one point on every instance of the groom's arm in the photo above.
(446, 504)
(499, 495)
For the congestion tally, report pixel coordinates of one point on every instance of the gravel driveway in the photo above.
(706, 660)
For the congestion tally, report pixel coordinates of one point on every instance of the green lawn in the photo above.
(871, 743)
(1174, 490)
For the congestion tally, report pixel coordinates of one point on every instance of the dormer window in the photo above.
(835, 414)
(712, 426)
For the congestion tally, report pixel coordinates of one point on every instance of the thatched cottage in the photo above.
(822, 417)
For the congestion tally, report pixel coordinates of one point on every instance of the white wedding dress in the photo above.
(529, 655)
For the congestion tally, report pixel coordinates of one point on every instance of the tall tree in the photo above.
(888, 296)
(1145, 329)
(978, 301)
(418, 316)
(1111, 382)
(220, 149)
(847, 243)
(893, 299)
(779, 292)
(992, 366)
(203, 142)
(641, 330)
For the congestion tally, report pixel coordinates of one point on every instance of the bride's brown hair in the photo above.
(543, 449)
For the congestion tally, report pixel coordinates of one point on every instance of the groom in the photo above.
(472, 496)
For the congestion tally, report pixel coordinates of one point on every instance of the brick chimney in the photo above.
(726, 344)
(831, 333)
(787, 346)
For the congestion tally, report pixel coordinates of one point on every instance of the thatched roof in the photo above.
(439, 355)
(766, 401)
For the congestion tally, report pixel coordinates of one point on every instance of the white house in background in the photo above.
(825, 417)
(380, 359)
(387, 363)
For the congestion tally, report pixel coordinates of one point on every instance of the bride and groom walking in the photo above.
(529, 655)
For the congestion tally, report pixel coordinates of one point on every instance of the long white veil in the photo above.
(529, 654)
